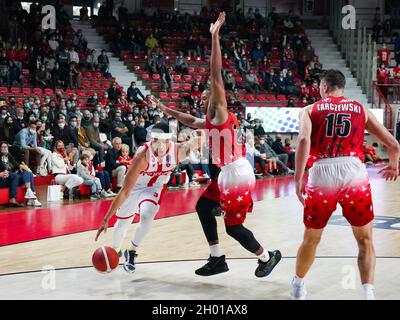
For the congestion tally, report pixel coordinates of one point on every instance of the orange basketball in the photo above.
(105, 259)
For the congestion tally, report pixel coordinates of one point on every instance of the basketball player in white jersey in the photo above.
(331, 139)
(143, 189)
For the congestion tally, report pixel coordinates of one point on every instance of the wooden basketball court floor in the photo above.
(59, 267)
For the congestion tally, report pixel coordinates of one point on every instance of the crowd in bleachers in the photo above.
(65, 115)
(266, 60)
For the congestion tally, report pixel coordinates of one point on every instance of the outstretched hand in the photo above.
(214, 27)
(390, 172)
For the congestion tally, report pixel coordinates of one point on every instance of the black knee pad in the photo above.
(244, 236)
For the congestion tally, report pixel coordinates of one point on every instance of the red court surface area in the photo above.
(28, 225)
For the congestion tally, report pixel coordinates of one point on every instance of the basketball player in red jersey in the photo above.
(231, 188)
(143, 189)
(331, 139)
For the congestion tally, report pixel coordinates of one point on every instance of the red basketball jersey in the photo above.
(226, 141)
(338, 126)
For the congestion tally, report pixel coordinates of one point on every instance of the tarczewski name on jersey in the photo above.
(349, 107)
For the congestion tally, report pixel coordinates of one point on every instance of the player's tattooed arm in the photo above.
(186, 119)
(139, 163)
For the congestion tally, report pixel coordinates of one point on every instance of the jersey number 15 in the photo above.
(338, 123)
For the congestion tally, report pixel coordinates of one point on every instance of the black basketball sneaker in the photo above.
(129, 264)
(265, 268)
(215, 265)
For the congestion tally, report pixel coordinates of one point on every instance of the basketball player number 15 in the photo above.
(340, 123)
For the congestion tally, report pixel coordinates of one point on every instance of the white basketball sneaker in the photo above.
(298, 291)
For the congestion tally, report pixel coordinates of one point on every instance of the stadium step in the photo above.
(331, 58)
(117, 68)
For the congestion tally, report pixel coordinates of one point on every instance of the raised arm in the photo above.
(139, 163)
(218, 108)
(186, 119)
(302, 151)
(374, 127)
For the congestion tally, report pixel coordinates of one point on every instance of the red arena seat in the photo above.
(174, 95)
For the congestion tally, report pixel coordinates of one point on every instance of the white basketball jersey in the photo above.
(159, 169)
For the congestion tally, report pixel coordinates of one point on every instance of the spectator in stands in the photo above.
(191, 46)
(201, 47)
(83, 140)
(125, 159)
(166, 74)
(115, 169)
(73, 56)
(140, 132)
(134, 93)
(274, 158)
(151, 44)
(279, 149)
(260, 158)
(199, 163)
(113, 92)
(104, 176)
(89, 178)
(42, 78)
(290, 82)
(26, 143)
(103, 62)
(62, 166)
(84, 13)
(280, 84)
(4, 71)
(257, 54)
(73, 80)
(64, 133)
(13, 175)
(383, 75)
(19, 120)
(230, 82)
(259, 129)
(45, 154)
(151, 64)
(252, 84)
(93, 134)
(288, 146)
(181, 65)
(243, 65)
(119, 129)
(7, 131)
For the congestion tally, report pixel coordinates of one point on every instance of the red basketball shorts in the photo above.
(338, 180)
(233, 191)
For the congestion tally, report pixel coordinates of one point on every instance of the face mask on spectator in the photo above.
(73, 124)
(136, 110)
(4, 151)
(96, 124)
(61, 125)
(47, 101)
(44, 118)
(107, 110)
(141, 124)
(130, 118)
(32, 131)
(27, 105)
(32, 118)
(68, 104)
(105, 96)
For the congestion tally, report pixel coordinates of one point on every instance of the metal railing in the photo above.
(357, 48)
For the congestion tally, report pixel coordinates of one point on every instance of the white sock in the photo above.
(133, 246)
(264, 257)
(298, 281)
(215, 250)
(369, 291)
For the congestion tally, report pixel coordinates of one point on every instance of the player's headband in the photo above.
(161, 136)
